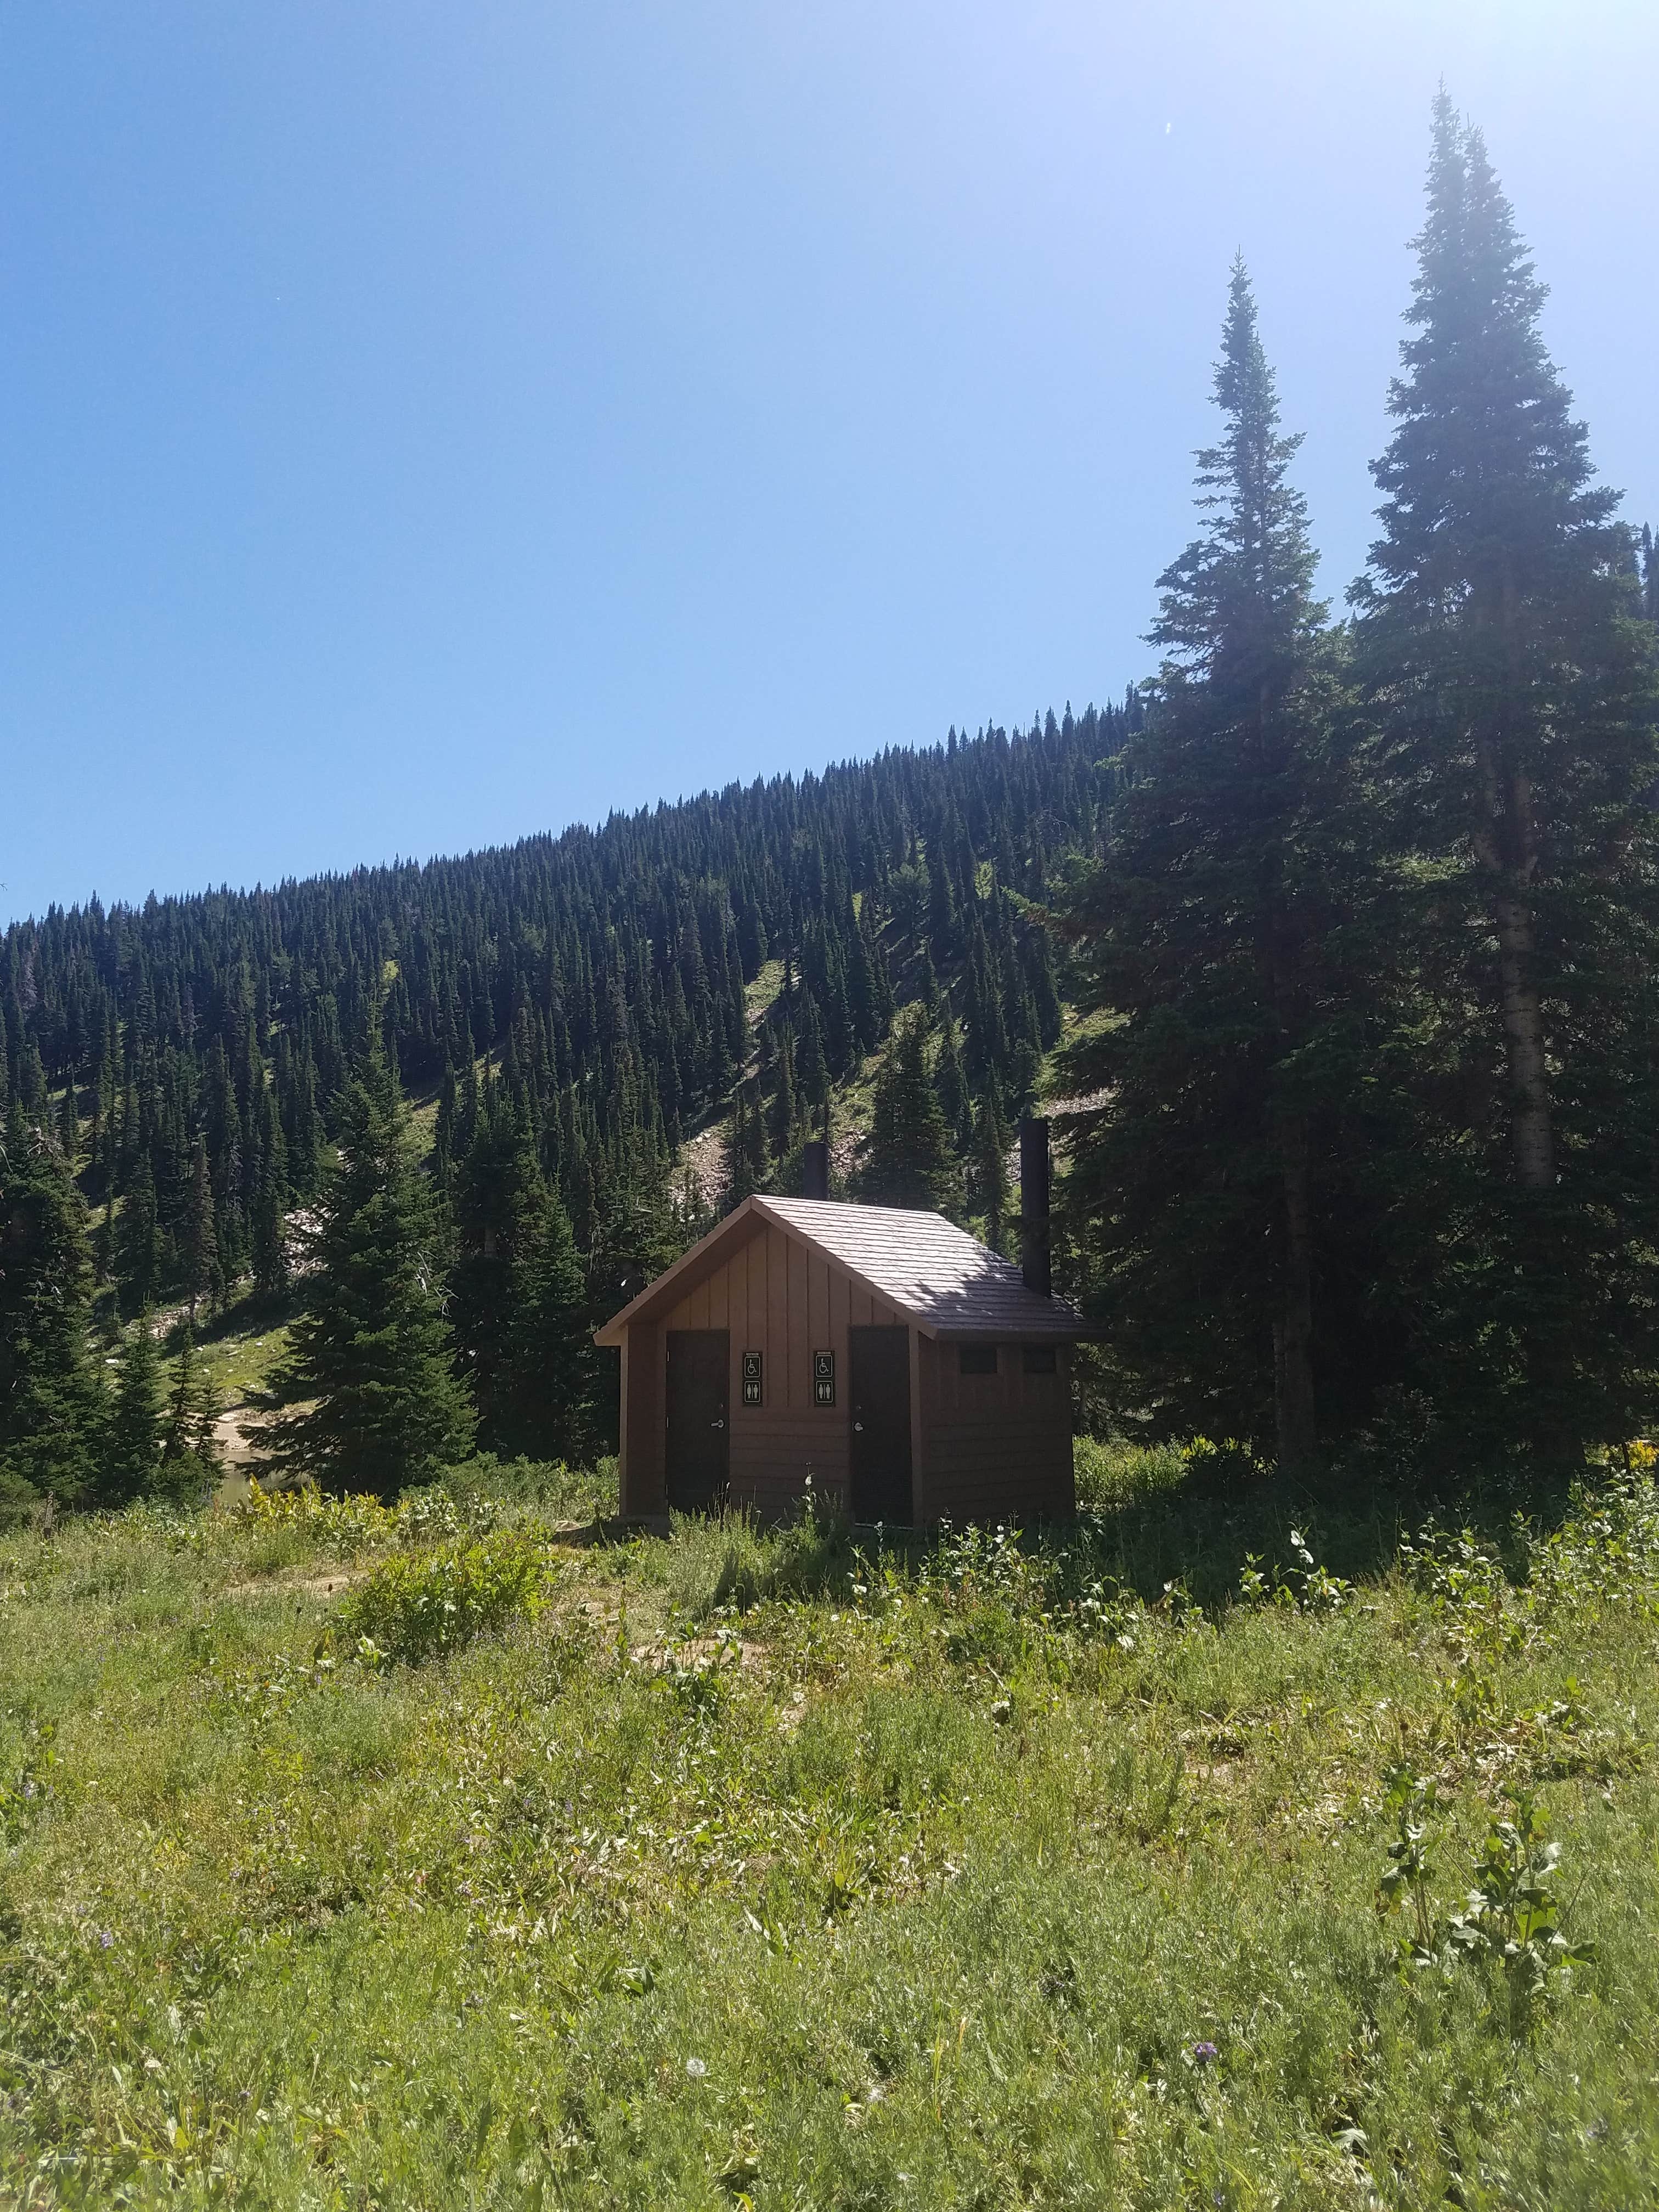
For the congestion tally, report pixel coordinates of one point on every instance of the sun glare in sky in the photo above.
(425, 426)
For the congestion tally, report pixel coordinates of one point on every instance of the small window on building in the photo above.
(977, 1359)
(1040, 1359)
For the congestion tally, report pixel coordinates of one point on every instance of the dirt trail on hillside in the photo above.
(234, 1430)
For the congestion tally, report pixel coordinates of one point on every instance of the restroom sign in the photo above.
(752, 1378)
(824, 1378)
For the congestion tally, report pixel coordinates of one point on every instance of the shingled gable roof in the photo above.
(934, 1273)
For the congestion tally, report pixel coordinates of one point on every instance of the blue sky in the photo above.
(422, 425)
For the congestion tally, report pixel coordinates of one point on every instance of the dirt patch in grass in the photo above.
(319, 1587)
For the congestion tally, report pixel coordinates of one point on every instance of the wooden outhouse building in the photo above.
(882, 1354)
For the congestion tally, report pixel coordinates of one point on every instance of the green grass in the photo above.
(241, 1353)
(758, 995)
(736, 1867)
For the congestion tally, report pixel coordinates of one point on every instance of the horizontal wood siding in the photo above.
(994, 1447)
(781, 1299)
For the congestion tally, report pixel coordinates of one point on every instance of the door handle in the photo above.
(717, 1424)
(858, 1428)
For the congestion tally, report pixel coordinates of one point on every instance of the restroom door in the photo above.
(880, 1361)
(699, 1364)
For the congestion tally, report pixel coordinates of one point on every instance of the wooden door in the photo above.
(880, 1361)
(699, 1362)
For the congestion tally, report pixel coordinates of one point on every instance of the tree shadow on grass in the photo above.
(1166, 1523)
(1200, 1532)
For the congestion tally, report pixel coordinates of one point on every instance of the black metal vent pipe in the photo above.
(1034, 1206)
(815, 1170)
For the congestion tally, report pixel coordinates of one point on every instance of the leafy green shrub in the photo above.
(991, 1596)
(19, 1501)
(1511, 1923)
(1109, 1472)
(1512, 1920)
(431, 1515)
(565, 1494)
(698, 1673)
(1307, 1587)
(1218, 1470)
(342, 1525)
(424, 1605)
(1606, 1553)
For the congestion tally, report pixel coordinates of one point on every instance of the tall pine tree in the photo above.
(1510, 676)
(991, 1164)
(368, 1395)
(907, 1157)
(133, 1451)
(191, 1456)
(202, 1277)
(1201, 1193)
(50, 1408)
(550, 1376)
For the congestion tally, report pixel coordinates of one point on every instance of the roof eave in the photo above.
(1063, 1326)
(1046, 1328)
(737, 1226)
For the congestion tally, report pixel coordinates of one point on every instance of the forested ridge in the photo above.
(1358, 920)
(620, 951)
(583, 996)
(407, 1828)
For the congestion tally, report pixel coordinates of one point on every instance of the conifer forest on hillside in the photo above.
(1336, 936)
(402, 1828)
(574, 1007)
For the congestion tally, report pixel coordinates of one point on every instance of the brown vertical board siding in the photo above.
(754, 1295)
(1002, 1466)
(776, 1298)
(981, 1448)
(624, 1454)
(799, 1321)
(922, 1353)
(751, 1424)
(777, 1320)
(720, 1310)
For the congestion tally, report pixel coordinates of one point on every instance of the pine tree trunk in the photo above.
(1532, 1137)
(1296, 1427)
(1506, 846)
(1298, 1434)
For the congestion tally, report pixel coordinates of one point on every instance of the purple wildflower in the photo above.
(1205, 2053)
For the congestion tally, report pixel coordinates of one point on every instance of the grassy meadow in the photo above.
(460, 1856)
